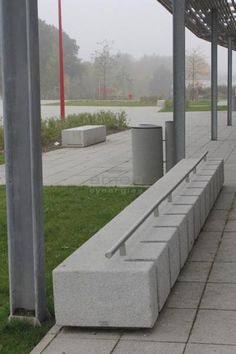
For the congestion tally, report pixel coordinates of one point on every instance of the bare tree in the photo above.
(196, 68)
(104, 61)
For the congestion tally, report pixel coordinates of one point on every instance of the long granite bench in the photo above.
(83, 136)
(130, 288)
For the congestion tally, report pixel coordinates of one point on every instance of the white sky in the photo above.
(137, 27)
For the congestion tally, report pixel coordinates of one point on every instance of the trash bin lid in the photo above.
(146, 126)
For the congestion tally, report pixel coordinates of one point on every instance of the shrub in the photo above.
(51, 131)
(168, 105)
(149, 100)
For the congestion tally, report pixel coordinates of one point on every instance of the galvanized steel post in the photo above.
(230, 82)
(21, 97)
(169, 145)
(179, 76)
(61, 63)
(214, 85)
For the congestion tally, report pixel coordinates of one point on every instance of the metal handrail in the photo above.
(120, 245)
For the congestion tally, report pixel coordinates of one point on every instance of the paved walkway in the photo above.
(110, 163)
(200, 314)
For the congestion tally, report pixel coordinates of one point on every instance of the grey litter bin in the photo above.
(147, 148)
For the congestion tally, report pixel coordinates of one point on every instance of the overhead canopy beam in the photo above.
(21, 100)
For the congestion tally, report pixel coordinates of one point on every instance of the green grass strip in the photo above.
(105, 103)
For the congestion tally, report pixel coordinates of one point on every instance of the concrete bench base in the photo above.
(91, 290)
(100, 298)
(83, 136)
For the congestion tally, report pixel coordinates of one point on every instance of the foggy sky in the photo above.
(137, 27)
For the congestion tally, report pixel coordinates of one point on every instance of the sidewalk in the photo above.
(110, 163)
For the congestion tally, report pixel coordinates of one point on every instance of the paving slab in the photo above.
(185, 295)
(138, 347)
(87, 333)
(219, 297)
(218, 215)
(223, 273)
(214, 225)
(205, 248)
(211, 236)
(231, 226)
(214, 327)
(209, 349)
(80, 346)
(224, 201)
(227, 250)
(173, 325)
(195, 272)
(232, 214)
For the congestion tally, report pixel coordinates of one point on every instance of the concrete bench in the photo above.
(83, 136)
(91, 290)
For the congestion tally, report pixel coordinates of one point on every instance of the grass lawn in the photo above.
(1, 158)
(104, 103)
(197, 106)
(72, 215)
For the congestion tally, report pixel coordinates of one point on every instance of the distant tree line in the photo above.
(110, 75)
(106, 75)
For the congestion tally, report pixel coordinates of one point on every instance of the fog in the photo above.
(136, 27)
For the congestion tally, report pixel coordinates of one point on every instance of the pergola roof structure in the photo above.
(198, 18)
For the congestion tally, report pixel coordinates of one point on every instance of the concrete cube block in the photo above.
(212, 174)
(187, 210)
(206, 187)
(195, 202)
(179, 221)
(158, 254)
(123, 294)
(201, 194)
(209, 191)
(83, 136)
(215, 170)
(212, 186)
(220, 164)
(170, 236)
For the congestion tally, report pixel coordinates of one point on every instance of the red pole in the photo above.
(62, 89)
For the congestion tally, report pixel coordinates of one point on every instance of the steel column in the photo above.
(170, 145)
(214, 84)
(179, 76)
(61, 63)
(230, 81)
(21, 98)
